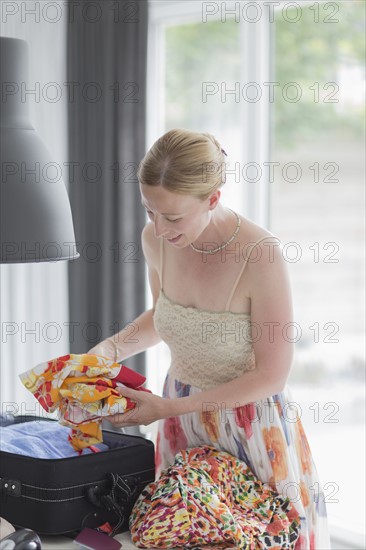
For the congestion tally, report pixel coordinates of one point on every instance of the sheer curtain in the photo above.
(34, 305)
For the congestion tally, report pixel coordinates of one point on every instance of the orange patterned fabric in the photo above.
(83, 388)
(209, 497)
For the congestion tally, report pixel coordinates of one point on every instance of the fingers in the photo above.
(127, 392)
(121, 421)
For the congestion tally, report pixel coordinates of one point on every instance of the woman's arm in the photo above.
(136, 337)
(272, 316)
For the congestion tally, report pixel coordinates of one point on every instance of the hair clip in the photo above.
(222, 151)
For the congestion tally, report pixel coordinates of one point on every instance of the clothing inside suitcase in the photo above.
(42, 439)
(64, 495)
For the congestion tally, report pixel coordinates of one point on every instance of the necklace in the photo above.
(224, 245)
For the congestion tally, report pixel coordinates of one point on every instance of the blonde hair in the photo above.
(184, 162)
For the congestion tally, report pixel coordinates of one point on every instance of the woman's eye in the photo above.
(150, 213)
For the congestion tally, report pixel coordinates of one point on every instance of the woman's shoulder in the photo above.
(150, 245)
(264, 254)
(261, 252)
(253, 234)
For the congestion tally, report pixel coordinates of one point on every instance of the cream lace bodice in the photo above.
(207, 348)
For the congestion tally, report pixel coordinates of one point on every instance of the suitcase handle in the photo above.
(113, 494)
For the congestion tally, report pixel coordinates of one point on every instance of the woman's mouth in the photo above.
(175, 239)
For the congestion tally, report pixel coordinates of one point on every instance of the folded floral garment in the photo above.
(209, 497)
(40, 439)
(83, 388)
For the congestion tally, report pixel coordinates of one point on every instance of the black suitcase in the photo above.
(64, 495)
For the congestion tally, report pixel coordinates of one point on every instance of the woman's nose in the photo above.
(159, 227)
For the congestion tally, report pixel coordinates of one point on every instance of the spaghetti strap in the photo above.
(161, 262)
(243, 267)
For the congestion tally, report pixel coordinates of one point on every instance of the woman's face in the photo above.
(179, 219)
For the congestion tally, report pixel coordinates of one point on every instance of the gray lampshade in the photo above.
(36, 221)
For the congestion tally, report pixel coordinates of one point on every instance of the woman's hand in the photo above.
(106, 348)
(149, 408)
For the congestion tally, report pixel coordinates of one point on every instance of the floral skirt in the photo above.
(268, 436)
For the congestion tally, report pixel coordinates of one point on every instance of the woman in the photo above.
(222, 303)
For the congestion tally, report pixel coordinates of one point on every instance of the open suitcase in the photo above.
(64, 495)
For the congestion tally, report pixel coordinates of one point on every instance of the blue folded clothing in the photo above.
(40, 439)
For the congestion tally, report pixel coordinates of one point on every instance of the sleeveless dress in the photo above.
(211, 348)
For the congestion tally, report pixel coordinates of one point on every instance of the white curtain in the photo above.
(34, 305)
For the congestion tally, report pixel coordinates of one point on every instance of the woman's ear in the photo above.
(214, 199)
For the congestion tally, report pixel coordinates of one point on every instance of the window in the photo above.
(282, 87)
(316, 208)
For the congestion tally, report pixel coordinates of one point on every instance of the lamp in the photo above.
(36, 221)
